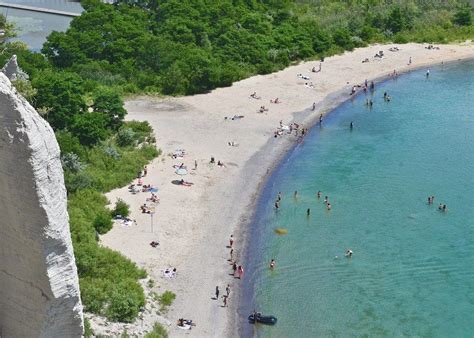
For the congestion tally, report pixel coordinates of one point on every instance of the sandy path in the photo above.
(193, 224)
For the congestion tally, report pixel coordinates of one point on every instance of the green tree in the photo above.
(109, 103)
(61, 94)
(90, 128)
(463, 16)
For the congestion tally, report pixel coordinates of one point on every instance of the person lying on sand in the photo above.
(185, 183)
(254, 96)
(275, 101)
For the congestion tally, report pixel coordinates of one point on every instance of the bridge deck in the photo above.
(39, 9)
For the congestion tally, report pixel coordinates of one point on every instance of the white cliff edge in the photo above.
(39, 287)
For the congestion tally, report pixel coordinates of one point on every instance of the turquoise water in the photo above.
(412, 272)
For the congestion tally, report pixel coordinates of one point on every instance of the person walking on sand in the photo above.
(195, 164)
(231, 240)
(227, 290)
(234, 267)
(217, 292)
(231, 254)
(224, 298)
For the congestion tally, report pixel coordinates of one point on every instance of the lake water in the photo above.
(33, 27)
(412, 271)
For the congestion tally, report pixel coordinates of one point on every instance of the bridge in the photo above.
(38, 9)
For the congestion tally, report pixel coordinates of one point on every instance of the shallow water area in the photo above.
(412, 270)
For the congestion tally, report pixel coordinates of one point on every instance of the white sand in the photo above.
(193, 224)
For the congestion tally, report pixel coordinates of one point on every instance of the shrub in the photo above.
(165, 300)
(103, 222)
(159, 331)
(121, 208)
(126, 137)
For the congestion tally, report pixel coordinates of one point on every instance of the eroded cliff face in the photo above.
(39, 288)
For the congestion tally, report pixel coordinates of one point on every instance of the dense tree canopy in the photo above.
(192, 46)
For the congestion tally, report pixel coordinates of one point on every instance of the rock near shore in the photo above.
(39, 288)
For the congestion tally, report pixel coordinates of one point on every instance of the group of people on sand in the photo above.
(299, 130)
(441, 207)
(225, 296)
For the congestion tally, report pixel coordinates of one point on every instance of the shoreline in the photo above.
(332, 102)
(193, 227)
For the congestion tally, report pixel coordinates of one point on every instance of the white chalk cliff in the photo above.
(39, 287)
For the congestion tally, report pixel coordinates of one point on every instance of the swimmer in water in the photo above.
(348, 253)
(326, 200)
(308, 212)
(295, 195)
(319, 194)
(279, 196)
(272, 264)
(329, 206)
(351, 125)
(277, 205)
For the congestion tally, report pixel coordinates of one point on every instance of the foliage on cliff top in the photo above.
(189, 46)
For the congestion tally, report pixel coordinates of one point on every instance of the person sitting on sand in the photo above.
(220, 164)
(365, 60)
(154, 244)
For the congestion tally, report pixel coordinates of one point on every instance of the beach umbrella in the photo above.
(181, 171)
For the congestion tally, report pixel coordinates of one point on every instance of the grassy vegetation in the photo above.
(158, 332)
(165, 300)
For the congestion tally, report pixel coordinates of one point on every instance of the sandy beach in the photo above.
(193, 223)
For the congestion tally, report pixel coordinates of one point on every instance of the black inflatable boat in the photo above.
(259, 318)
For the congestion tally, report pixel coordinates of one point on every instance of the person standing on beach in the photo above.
(231, 254)
(321, 119)
(224, 298)
(231, 240)
(145, 170)
(227, 290)
(234, 267)
(240, 271)
(217, 292)
(195, 164)
(409, 61)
